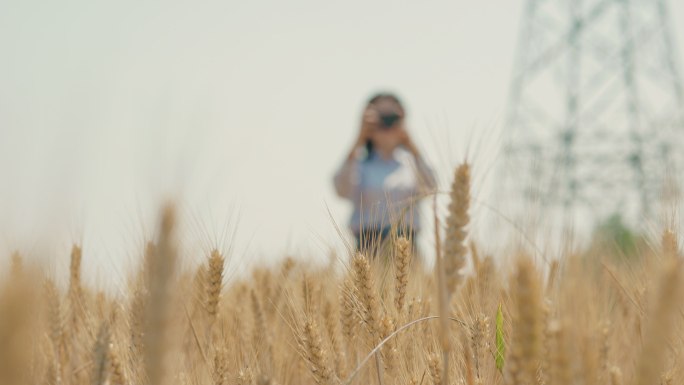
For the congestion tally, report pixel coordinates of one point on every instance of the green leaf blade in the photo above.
(500, 344)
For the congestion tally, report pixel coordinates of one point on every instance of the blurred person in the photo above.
(384, 175)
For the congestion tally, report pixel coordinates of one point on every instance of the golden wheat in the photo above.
(598, 318)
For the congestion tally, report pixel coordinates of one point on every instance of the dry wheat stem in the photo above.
(442, 297)
(163, 263)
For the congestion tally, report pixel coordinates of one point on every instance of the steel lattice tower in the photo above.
(595, 118)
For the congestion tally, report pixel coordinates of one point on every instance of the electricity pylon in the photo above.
(596, 110)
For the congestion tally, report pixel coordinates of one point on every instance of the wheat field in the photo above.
(589, 317)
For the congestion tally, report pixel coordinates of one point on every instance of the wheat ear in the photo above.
(117, 373)
(52, 374)
(101, 357)
(54, 314)
(137, 320)
(221, 367)
(265, 380)
(615, 376)
(435, 369)
(604, 350)
(560, 364)
(402, 251)
(347, 315)
(368, 296)
(453, 259)
(245, 377)
(348, 318)
(372, 313)
(75, 270)
(454, 248)
(214, 285)
(480, 345)
(670, 246)
(525, 344)
(315, 353)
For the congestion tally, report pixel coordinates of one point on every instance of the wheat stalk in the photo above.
(262, 336)
(16, 316)
(660, 324)
(163, 264)
(332, 328)
(17, 267)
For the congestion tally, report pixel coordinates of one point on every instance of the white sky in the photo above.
(106, 108)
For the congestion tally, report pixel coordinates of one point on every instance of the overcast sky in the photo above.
(109, 108)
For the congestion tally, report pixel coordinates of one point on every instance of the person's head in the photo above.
(390, 114)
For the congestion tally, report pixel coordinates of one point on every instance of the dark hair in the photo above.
(377, 97)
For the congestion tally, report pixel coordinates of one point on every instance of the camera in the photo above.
(387, 121)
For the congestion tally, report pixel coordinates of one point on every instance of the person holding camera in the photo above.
(384, 176)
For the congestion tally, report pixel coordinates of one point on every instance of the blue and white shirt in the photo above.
(384, 190)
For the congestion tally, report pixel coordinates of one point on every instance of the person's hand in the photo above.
(405, 138)
(402, 134)
(369, 123)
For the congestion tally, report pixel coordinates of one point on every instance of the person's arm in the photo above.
(426, 178)
(347, 178)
